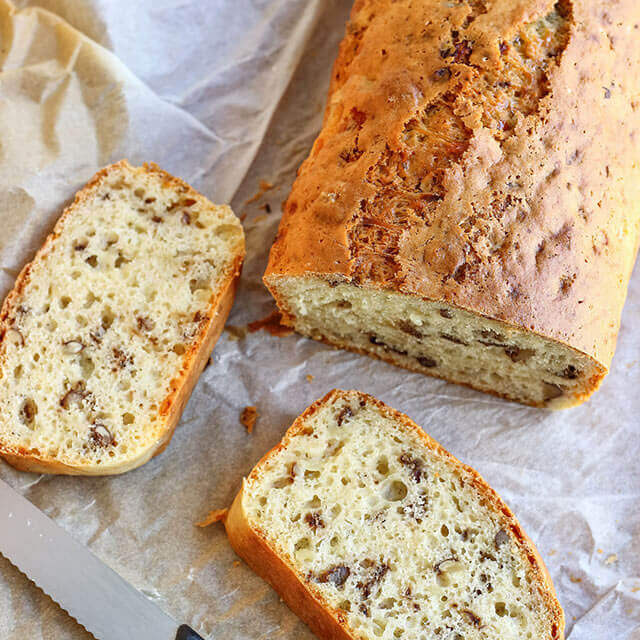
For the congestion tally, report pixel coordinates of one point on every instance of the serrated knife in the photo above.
(92, 593)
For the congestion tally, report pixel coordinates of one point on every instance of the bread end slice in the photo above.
(368, 528)
(108, 328)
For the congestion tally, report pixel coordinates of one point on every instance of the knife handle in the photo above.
(185, 632)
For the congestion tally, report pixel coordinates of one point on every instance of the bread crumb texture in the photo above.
(393, 534)
(441, 340)
(483, 155)
(102, 325)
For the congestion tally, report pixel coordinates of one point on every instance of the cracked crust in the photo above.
(482, 157)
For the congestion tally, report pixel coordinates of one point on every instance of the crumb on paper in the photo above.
(266, 207)
(217, 515)
(273, 324)
(309, 377)
(552, 552)
(236, 563)
(575, 579)
(235, 333)
(600, 551)
(611, 559)
(635, 589)
(264, 187)
(248, 418)
(243, 216)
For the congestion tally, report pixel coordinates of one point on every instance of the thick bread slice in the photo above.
(106, 332)
(471, 207)
(369, 529)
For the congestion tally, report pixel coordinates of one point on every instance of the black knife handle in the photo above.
(185, 632)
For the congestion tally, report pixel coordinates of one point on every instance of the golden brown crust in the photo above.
(193, 364)
(302, 597)
(533, 221)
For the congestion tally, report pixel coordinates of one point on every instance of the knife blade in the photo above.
(90, 591)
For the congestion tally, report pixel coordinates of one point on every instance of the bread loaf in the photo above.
(471, 207)
(367, 528)
(107, 330)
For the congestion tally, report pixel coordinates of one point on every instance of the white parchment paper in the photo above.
(227, 94)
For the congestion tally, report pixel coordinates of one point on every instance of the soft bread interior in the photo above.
(107, 318)
(439, 340)
(393, 534)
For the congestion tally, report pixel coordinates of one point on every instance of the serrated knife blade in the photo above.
(91, 592)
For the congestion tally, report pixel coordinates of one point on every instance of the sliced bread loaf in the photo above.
(105, 333)
(368, 529)
(469, 209)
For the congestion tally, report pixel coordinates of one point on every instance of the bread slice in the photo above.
(106, 332)
(469, 208)
(369, 529)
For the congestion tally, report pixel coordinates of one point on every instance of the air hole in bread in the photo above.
(280, 483)
(395, 490)
(303, 543)
(196, 284)
(90, 299)
(315, 502)
(382, 466)
(108, 316)
(111, 238)
(120, 260)
(87, 366)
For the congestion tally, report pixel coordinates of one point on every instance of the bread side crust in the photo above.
(288, 319)
(251, 544)
(181, 385)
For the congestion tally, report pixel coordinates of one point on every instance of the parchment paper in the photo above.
(226, 94)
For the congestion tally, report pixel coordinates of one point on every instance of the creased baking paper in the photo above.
(226, 95)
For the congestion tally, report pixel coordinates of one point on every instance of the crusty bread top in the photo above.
(393, 483)
(483, 154)
(102, 328)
